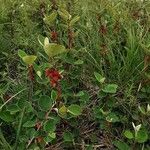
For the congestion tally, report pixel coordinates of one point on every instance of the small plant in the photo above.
(74, 74)
(140, 135)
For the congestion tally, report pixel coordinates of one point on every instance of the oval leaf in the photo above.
(128, 134)
(110, 88)
(99, 77)
(64, 14)
(75, 110)
(21, 53)
(29, 59)
(29, 124)
(50, 126)
(51, 18)
(121, 145)
(13, 109)
(46, 41)
(53, 95)
(6, 116)
(53, 49)
(52, 135)
(68, 137)
(112, 117)
(45, 103)
(79, 62)
(62, 111)
(142, 136)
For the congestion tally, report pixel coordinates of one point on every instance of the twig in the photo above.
(83, 145)
(19, 128)
(11, 98)
(94, 146)
(30, 141)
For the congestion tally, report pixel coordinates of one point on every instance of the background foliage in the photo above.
(100, 53)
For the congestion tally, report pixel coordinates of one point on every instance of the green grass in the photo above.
(111, 38)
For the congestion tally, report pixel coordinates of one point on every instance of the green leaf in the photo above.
(112, 117)
(68, 137)
(53, 49)
(62, 111)
(45, 102)
(31, 132)
(79, 62)
(128, 134)
(29, 124)
(39, 73)
(46, 41)
(89, 147)
(21, 103)
(50, 126)
(34, 147)
(74, 20)
(41, 115)
(52, 135)
(121, 145)
(53, 95)
(29, 59)
(110, 88)
(6, 116)
(84, 98)
(79, 94)
(142, 110)
(99, 78)
(75, 110)
(41, 40)
(142, 136)
(48, 139)
(29, 107)
(46, 65)
(36, 67)
(64, 14)
(21, 53)
(13, 109)
(51, 18)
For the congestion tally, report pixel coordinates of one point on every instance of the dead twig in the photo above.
(11, 98)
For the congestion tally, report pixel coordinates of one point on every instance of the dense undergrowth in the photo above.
(74, 74)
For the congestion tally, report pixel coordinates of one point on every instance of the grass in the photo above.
(111, 38)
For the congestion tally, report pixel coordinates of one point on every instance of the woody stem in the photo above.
(30, 82)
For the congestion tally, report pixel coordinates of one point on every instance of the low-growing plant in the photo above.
(74, 75)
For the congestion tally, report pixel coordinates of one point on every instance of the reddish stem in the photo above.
(54, 36)
(31, 74)
(103, 29)
(70, 38)
(54, 5)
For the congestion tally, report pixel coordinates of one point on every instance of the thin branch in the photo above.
(19, 128)
(11, 98)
